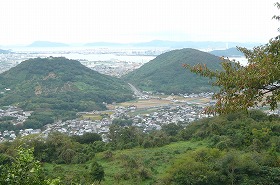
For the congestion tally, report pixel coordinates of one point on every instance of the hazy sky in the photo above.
(72, 21)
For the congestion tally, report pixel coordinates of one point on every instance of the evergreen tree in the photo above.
(97, 172)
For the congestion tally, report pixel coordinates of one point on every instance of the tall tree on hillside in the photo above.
(242, 87)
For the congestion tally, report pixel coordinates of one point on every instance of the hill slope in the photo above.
(166, 74)
(59, 83)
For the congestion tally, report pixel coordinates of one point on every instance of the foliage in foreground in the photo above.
(214, 166)
(24, 169)
(254, 131)
(242, 87)
(236, 148)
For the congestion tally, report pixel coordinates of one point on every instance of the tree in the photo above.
(97, 172)
(87, 138)
(124, 137)
(122, 122)
(24, 170)
(172, 129)
(242, 87)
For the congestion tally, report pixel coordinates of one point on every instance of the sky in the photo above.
(127, 21)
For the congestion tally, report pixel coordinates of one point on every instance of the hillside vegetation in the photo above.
(60, 84)
(237, 148)
(165, 73)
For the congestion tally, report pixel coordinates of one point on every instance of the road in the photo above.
(135, 90)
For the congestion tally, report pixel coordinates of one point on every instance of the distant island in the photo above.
(4, 51)
(231, 52)
(47, 44)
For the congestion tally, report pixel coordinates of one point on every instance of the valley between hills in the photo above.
(67, 124)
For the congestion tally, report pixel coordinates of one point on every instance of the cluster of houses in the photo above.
(115, 68)
(17, 114)
(147, 122)
(153, 120)
(10, 60)
(78, 127)
(147, 119)
(14, 115)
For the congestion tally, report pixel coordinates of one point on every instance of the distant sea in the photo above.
(103, 57)
(97, 53)
(87, 54)
(242, 60)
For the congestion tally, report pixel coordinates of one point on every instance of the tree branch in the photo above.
(275, 87)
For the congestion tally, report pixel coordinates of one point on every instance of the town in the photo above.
(148, 112)
(114, 61)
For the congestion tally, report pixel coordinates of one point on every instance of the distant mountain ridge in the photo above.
(193, 44)
(207, 45)
(165, 73)
(175, 44)
(154, 43)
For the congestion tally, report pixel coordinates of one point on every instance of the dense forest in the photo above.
(165, 73)
(236, 148)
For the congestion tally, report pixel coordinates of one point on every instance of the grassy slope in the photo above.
(154, 160)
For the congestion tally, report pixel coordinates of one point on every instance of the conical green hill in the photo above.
(59, 83)
(165, 73)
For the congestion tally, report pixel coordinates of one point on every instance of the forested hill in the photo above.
(166, 74)
(59, 83)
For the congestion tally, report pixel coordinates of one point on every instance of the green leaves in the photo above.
(24, 170)
(97, 172)
(213, 166)
(242, 87)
